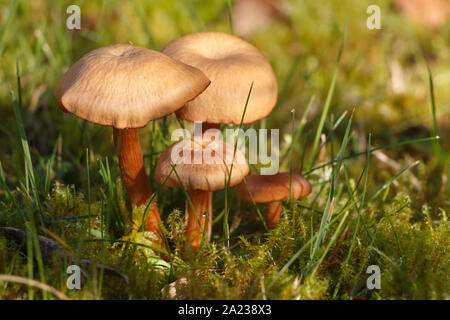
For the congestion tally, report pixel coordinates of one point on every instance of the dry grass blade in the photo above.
(34, 283)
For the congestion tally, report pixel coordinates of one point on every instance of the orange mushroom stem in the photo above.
(202, 203)
(132, 172)
(206, 126)
(131, 165)
(198, 222)
(273, 214)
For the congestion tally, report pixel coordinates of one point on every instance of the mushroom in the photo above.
(232, 65)
(201, 166)
(125, 87)
(272, 189)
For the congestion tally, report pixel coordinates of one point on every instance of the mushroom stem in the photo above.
(202, 203)
(132, 171)
(273, 214)
(131, 165)
(206, 126)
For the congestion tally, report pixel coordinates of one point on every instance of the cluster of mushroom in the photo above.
(203, 77)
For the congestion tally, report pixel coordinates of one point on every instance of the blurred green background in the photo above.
(382, 73)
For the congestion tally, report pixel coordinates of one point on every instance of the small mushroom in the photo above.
(272, 189)
(202, 166)
(232, 65)
(125, 87)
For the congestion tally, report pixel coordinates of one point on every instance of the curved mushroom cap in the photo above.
(124, 86)
(201, 165)
(231, 64)
(268, 188)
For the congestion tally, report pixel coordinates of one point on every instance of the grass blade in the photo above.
(227, 184)
(325, 217)
(230, 16)
(388, 146)
(27, 155)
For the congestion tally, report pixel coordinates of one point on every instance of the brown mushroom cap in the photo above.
(231, 64)
(269, 188)
(124, 86)
(205, 176)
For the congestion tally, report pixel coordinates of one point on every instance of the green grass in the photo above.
(372, 140)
